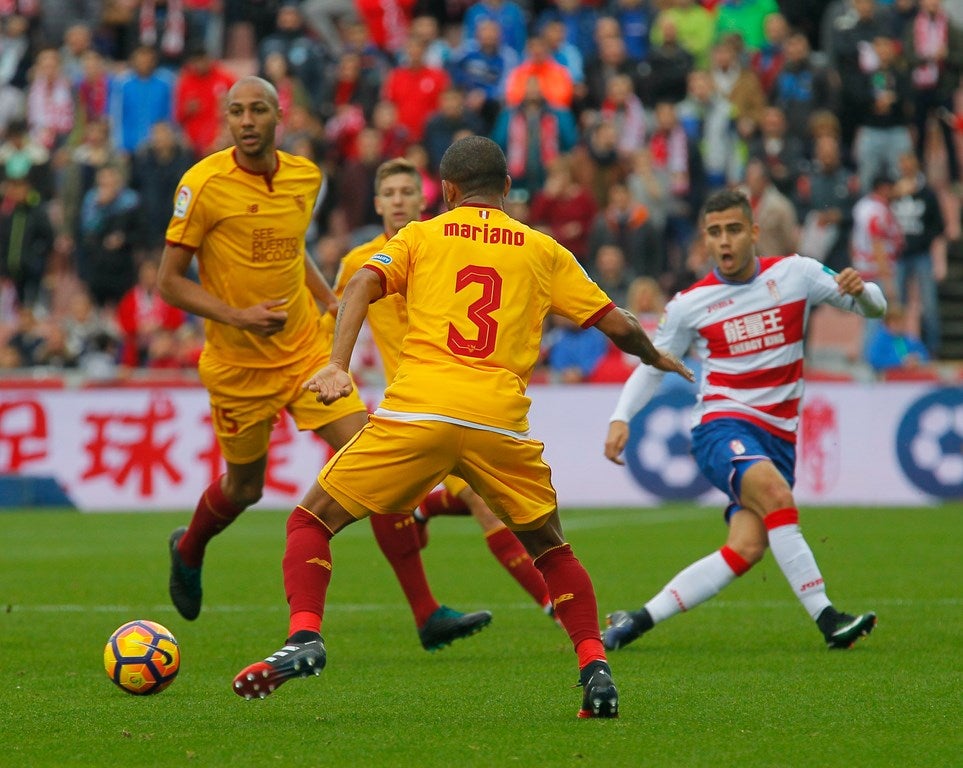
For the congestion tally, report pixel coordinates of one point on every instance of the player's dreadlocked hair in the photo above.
(476, 164)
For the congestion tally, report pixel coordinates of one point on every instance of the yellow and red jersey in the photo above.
(247, 231)
(478, 285)
(387, 318)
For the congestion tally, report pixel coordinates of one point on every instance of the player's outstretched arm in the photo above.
(319, 287)
(869, 296)
(615, 441)
(621, 326)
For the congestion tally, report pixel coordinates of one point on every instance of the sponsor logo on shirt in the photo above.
(183, 201)
(382, 257)
(266, 245)
(755, 331)
(719, 305)
(485, 233)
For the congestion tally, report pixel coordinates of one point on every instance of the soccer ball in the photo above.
(142, 657)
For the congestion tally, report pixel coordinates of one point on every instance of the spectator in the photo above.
(737, 84)
(782, 153)
(552, 31)
(573, 352)
(847, 42)
(612, 60)
(480, 68)
(801, 87)
(79, 171)
(635, 25)
(450, 119)
(305, 56)
(18, 143)
(920, 217)
(596, 163)
(387, 22)
(706, 117)
(578, 21)
(15, 56)
(395, 136)
(884, 121)
(352, 84)
(649, 186)
(163, 26)
(141, 315)
(877, 243)
(676, 159)
(199, 99)
(26, 235)
(892, 346)
(437, 51)
(13, 106)
(646, 300)
(415, 88)
(624, 110)
(507, 14)
(78, 40)
(612, 273)
(92, 90)
(139, 99)
(355, 187)
(325, 18)
(111, 233)
(668, 69)
(157, 167)
(825, 197)
(533, 135)
(934, 49)
(747, 18)
(772, 211)
(564, 208)
(768, 59)
(431, 190)
(625, 223)
(554, 81)
(291, 91)
(694, 25)
(50, 103)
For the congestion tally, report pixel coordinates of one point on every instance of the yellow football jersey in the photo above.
(478, 285)
(247, 232)
(387, 318)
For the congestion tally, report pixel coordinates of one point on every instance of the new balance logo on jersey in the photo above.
(486, 234)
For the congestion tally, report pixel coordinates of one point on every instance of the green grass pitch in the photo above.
(742, 681)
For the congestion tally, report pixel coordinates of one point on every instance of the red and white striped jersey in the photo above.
(749, 338)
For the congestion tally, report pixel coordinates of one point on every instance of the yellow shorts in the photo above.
(454, 485)
(245, 403)
(390, 465)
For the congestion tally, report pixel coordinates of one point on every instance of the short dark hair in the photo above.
(476, 164)
(725, 199)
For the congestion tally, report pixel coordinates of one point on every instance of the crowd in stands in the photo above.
(839, 118)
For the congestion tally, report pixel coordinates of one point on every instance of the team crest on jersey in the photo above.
(737, 447)
(299, 201)
(382, 257)
(483, 213)
(183, 201)
(773, 289)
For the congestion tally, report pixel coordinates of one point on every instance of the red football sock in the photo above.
(213, 514)
(398, 540)
(442, 503)
(574, 599)
(307, 569)
(508, 550)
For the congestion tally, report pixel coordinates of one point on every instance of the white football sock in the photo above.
(691, 586)
(798, 565)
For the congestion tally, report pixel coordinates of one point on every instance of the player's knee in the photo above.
(245, 494)
(751, 551)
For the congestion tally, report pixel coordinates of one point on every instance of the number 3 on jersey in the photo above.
(479, 312)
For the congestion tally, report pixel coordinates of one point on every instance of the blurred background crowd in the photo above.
(840, 118)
